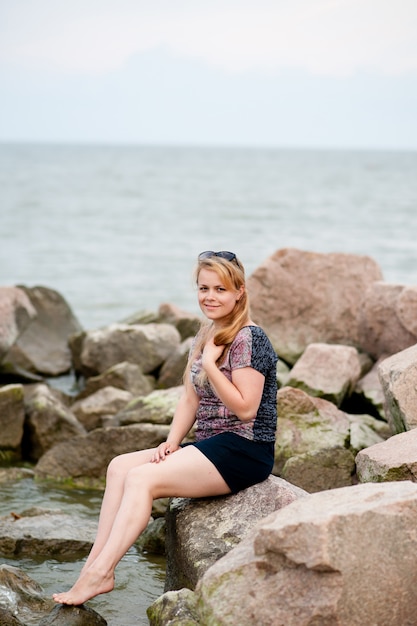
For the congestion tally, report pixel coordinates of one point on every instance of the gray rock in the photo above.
(27, 604)
(126, 376)
(48, 420)
(398, 375)
(176, 608)
(12, 416)
(316, 431)
(186, 323)
(388, 319)
(344, 556)
(82, 615)
(172, 371)
(43, 346)
(306, 297)
(147, 345)
(368, 390)
(394, 459)
(16, 312)
(157, 407)
(87, 457)
(92, 411)
(327, 371)
(22, 597)
(45, 532)
(200, 531)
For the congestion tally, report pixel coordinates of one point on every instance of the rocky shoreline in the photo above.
(347, 406)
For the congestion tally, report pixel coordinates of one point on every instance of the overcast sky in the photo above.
(285, 73)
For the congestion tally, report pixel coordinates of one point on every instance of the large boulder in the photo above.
(344, 556)
(147, 345)
(327, 371)
(16, 312)
(49, 421)
(308, 297)
(45, 532)
(312, 445)
(393, 459)
(398, 375)
(87, 457)
(388, 320)
(202, 530)
(43, 345)
(315, 441)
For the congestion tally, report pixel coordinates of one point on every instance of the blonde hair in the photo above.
(232, 275)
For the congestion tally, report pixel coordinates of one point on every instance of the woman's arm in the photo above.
(242, 395)
(184, 418)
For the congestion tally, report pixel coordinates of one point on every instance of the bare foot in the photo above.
(89, 585)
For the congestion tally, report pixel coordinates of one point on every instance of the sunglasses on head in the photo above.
(223, 254)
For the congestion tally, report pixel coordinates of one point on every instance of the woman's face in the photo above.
(215, 299)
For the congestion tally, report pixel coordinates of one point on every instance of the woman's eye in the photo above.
(221, 289)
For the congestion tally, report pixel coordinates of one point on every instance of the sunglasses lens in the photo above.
(223, 254)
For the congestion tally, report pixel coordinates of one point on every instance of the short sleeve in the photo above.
(252, 348)
(240, 354)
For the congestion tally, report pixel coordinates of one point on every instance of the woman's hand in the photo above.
(211, 352)
(163, 450)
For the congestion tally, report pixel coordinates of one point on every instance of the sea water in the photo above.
(116, 229)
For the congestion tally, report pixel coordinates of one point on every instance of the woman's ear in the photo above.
(240, 292)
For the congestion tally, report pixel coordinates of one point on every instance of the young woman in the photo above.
(230, 388)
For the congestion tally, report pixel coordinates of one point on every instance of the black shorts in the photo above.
(240, 461)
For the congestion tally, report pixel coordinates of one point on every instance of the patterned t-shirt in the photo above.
(250, 348)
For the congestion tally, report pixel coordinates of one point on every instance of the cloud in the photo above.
(329, 37)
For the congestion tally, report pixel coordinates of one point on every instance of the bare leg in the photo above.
(187, 473)
(117, 471)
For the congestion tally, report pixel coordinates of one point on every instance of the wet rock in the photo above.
(87, 457)
(312, 562)
(92, 411)
(327, 371)
(21, 596)
(63, 615)
(200, 531)
(7, 617)
(12, 416)
(48, 421)
(147, 345)
(394, 459)
(398, 375)
(42, 347)
(12, 474)
(302, 297)
(176, 608)
(45, 532)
